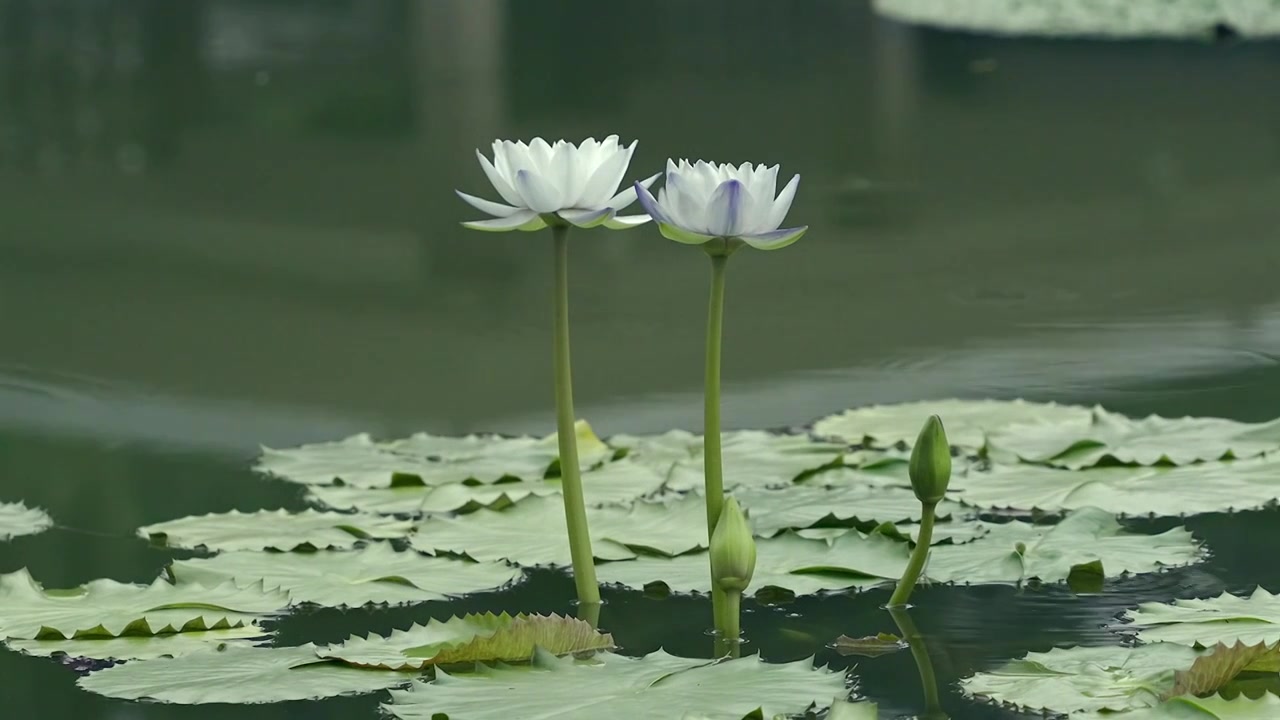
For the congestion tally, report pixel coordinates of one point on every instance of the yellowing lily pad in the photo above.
(470, 638)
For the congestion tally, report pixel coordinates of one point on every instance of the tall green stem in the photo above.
(713, 464)
(920, 653)
(729, 624)
(915, 566)
(575, 510)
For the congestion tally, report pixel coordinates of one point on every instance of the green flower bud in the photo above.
(733, 549)
(930, 467)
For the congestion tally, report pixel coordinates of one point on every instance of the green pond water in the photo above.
(230, 223)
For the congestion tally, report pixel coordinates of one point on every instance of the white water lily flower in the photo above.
(705, 201)
(554, 184)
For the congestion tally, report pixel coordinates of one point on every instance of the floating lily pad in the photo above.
(657, 687)
(1190, 707)
(752, 458)
(1190, 489)
(842, 709)
(18, 519)
(471, 638)
(968, 422)
(533, 531)
(146, 647)
(787, 561)
(1109, 678)
(1223, 619)
(1103, 435)
(802, 506)
(870, 645)
(106, 608)
(1016, 551)
(943, 532)
(612, 483)
(238, 675)
(274, 529)
(424, 459)
(335, 578)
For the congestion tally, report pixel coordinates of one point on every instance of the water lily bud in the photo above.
(733, 549)
(930, 467)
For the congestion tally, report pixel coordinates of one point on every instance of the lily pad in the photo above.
(802, 506)
(106, 608)
(752, 458)
(1103, 435)
(1190, 707)
(943, 532)
(787, 561)
(274, 529)
(1109, 678)
(376, 573)
(425, 459)
(18, 519)
(1016, 551)
(1223, 619)
(533, 531)
(612, 483)
(658, 687)
(238, 675)
(470, 638)
(1190, 489)
(968, 422)
(870, 645)
(145, 647)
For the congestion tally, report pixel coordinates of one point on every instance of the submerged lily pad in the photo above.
(1190, 489)
(787, 561)
(145, 647)
(533, 531)
(106, 608)
(968, 422)
(752, 458)
(238, 675)
(1154, 440)
(376, 573)
(1223, 619)
(658, 687)
(18, 519)
(1016, 551)
(274, 529)
(870, 645)
(616, 482)
(425, 459)
(470, 638)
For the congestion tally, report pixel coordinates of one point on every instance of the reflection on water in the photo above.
(231, 222)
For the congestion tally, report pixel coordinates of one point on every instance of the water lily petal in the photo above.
(651, 205)
(724, 211)
(763, 187)
(778, 212)
(626, 222)
(521, 220)
(496, 177)
(538, 193)
(540, 155)
(488, 206)
(775, 239)
(682, 204)
(628, 196)
(603, 183)
(587, 218)
(680, 235)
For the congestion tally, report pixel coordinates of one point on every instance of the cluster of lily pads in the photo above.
(1039, 493)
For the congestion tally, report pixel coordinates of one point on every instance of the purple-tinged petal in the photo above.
(538, 193)
(775, 239)
(488, 206)
(628, 196)
(626, 222)
(724, 211)
(586, 218)
(521, 220)
(650, 205)
(778, 212)
(671, 232)
(498, 181)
